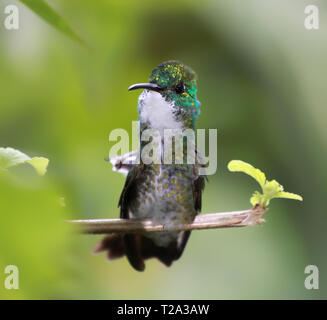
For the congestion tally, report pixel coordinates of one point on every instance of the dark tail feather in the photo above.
(137, 248)
(113, 243)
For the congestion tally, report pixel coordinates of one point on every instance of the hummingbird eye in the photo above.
(179, 88)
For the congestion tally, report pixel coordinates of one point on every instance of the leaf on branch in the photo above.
(289, 195)
(43, 10)
(10, 157)
(241, 166)
(270, 189)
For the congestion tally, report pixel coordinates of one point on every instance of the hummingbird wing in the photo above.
(129, 193)
(132, 242)
(198, 187)
(118, 245)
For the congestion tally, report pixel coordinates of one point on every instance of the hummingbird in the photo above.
(169, 194)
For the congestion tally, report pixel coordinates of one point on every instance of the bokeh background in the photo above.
(261, 83)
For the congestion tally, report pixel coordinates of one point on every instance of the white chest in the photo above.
(157, 112)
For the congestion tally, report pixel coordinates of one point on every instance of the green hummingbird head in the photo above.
(177, 84)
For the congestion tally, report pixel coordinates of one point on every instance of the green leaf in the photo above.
(270, 189)
(43, 10)
(257, 198)
(10, 157)
(289, 195)
(241, 166)
(40, 164)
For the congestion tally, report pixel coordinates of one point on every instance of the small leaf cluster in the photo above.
(10, 157)
(270, 189)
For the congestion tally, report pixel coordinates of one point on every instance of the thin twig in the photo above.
(204, 221)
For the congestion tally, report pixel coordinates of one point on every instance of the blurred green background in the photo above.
(261, 83)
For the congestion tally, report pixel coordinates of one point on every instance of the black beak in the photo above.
(149, 86)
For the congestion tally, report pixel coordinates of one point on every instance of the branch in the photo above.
(205, 221)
